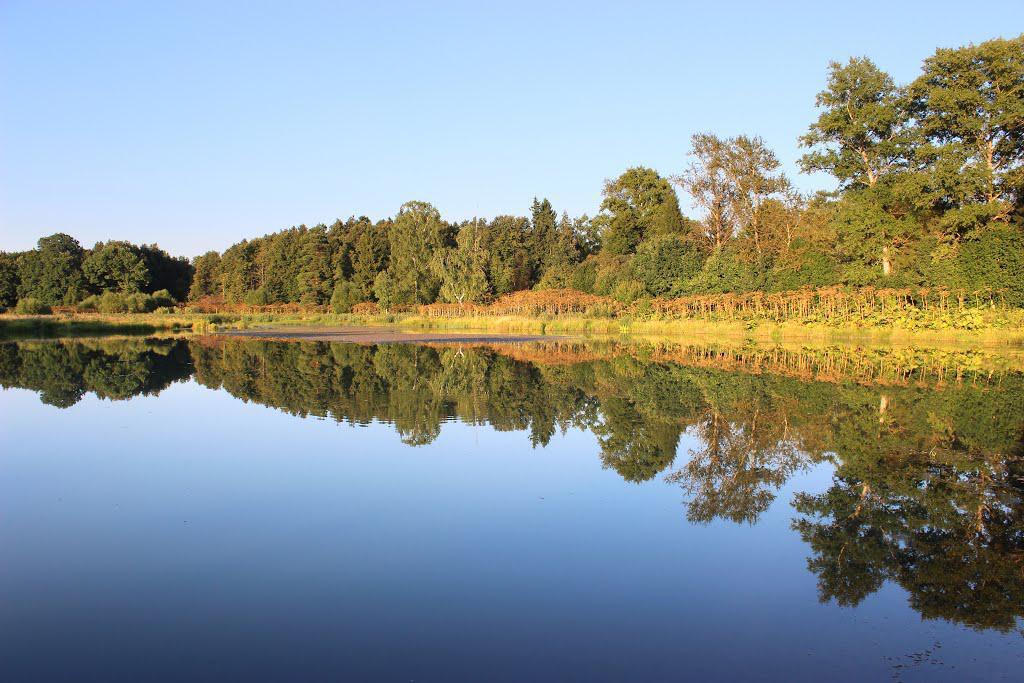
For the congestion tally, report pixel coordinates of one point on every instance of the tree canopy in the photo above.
(928, 194)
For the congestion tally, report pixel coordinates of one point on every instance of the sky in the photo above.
(196, 124)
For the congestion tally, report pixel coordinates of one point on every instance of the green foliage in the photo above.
(346, 295)
(869, 237)
(115, 266)
(628, 291)
(32, 306)
(207, 278)
(557, 278)
(461, 269)
(369, 256)
(384, 290)
(240, 271)
(8, 279)
(723, 271)
(968, 110)
(639, 204)
(610, 270)
(734, 180)
(665, 263)
(584, 276)
(52, 272)
(315, 280)
(166, 272)
(860, 135)
(259, 297)
(118, 302)
(512, 265)
(993, 257)
(414, 237)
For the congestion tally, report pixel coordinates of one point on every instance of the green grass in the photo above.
(725, 329)
(1009, 331)
(78, 325)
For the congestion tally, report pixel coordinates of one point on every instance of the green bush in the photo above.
(117, 302)
(583, 275)
(611, 270)
(557, 277)
(346, 295)
(994, 259)
(723, 271)
(258, 297)
(628, 291)
(32, 306)
(162, 299)
(664, 263)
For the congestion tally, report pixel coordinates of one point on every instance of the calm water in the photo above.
(244, 510)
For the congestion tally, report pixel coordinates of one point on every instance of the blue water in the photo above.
(191, 535)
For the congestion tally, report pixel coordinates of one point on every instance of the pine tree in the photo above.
(543, 237)
(315, 279)
(206, 276)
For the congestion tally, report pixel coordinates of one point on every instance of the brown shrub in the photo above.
(366, 308)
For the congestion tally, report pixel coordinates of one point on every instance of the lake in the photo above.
(216, 508)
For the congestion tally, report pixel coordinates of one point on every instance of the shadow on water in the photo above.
(927, 447)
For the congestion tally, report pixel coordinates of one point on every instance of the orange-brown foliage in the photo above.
(366, 308)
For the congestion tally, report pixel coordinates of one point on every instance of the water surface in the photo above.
(216, 509)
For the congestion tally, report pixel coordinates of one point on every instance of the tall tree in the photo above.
(860, 135)
(753, 170)
(511, 266)
(968, 105)
(369, 256)
(240, 272)
(8, 279)
(115, 266)
(544, 235)
(206, 281)
(869, 238)
(172, 273)
(316, 276)
(416, 234)
(708, 183)
(461, 269)
(52, 272)
(733, 179)
(664, 264)
(639, 204)
(280, 260)
(565, 250)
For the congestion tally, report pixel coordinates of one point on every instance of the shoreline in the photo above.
(324, 327)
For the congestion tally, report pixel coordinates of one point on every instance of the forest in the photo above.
(924, 493)
(929, 204)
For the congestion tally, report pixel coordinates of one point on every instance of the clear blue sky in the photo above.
(194, 124)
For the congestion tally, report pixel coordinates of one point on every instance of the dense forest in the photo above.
(930, 195)
(924, 494)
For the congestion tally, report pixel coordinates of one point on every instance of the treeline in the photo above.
(113, 277)
(930, 194)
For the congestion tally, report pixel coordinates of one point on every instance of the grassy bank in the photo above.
(761, 331)
(1009, 331)
(84, 324)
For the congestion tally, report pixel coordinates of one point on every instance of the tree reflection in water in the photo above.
(928, 448)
